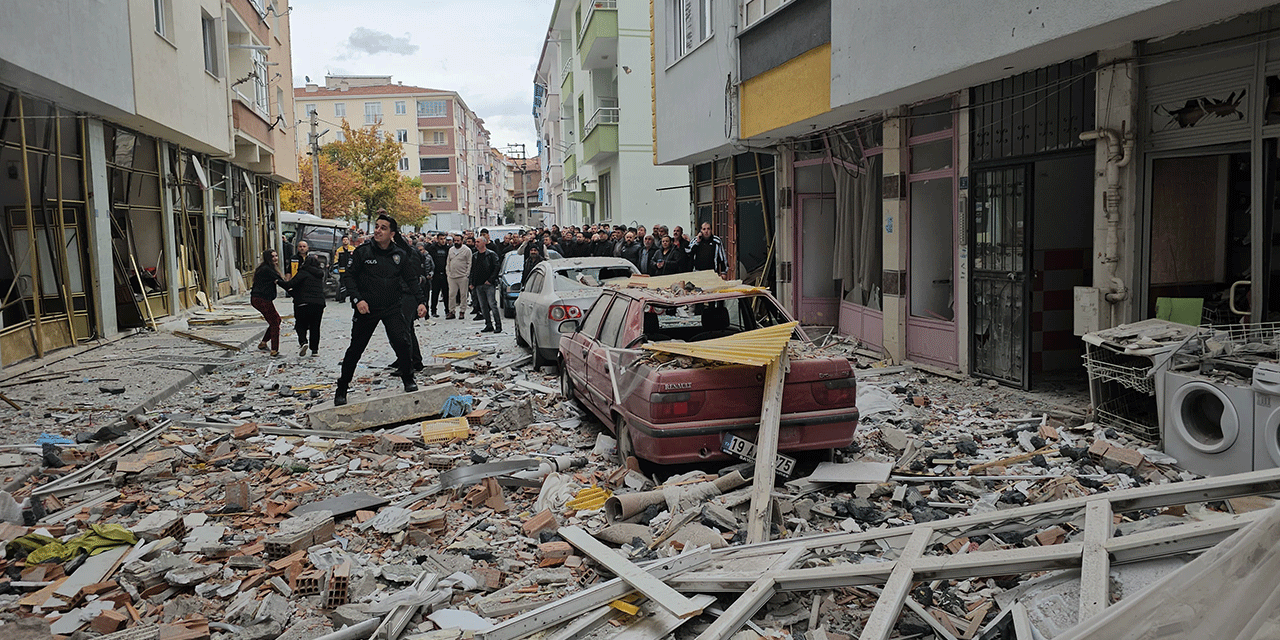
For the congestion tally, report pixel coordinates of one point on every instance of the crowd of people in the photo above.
(393, 278)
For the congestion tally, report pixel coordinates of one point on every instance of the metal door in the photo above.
(1000, 235)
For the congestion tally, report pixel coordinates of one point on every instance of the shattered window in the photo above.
(1184, 114)
(586, 277)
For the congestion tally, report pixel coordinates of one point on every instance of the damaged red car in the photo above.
(671, 410)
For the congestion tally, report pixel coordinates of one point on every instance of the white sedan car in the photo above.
(560, 290)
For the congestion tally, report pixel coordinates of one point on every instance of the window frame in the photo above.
(209, 37)
(422, 165)
(402, 136)
(690, 24)
(598, 310)
(621, 321)
(401, 108)
(339, 109)
(404, 163)
(425, 112)
(373, 112)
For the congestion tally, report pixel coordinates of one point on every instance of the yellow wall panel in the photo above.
(797, 89)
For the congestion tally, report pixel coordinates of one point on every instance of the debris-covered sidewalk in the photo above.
(244, 505)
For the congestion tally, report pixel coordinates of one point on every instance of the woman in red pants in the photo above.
(265, 279)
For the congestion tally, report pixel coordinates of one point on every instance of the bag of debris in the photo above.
(1228, 593)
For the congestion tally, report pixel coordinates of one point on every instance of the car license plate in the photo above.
(746, 449)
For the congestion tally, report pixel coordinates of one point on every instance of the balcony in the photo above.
(598, 40)
(570, 165)
(601, 141)
(566, 87)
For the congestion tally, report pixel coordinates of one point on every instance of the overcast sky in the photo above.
(486, 50)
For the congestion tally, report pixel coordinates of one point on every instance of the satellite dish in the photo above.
(308, 78)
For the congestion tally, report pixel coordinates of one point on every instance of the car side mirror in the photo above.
(568, 326)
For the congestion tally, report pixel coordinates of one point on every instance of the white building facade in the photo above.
(593, 105)
(142, 171)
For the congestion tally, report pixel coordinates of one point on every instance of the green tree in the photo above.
(373, 155)
(509, 211)
(338, 190)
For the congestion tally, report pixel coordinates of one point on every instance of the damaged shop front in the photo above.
(147, 229)
(44, 297)
(951, 232)
(1210, 142)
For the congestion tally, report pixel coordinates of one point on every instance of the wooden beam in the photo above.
(577, 603)
(1095, 566)
(192, 336)
(751, 600)
(766, 451)
(645, 583)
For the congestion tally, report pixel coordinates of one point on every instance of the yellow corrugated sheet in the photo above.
(705, 280)
(755, 348)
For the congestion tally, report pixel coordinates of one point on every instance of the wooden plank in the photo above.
(582, 601)
(192, 336)
(766, 451)
(751, 600)
(1095, 564)
(656, 622)
(885, 614)
(645, 583)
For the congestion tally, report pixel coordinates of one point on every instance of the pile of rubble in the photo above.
(247, 509)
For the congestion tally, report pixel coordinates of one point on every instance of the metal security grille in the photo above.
(1034, 112)
(1000, 228)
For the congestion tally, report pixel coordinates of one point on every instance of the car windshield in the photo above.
(514, 262)
(586, 277)
(707, 320)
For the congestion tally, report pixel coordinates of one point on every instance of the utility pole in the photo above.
(315, 165)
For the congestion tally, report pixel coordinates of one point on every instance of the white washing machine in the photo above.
(1208, 425)
(1266, 416)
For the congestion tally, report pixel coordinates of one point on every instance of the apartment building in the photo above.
(973, 185)
(141, 172)
(493, 192)
(593, 108)
(443, 141)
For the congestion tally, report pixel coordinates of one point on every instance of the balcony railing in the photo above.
(566, 68)
(603, 115)
(591, 8)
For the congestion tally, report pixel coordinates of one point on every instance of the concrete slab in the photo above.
(343, 506)
(382, 411)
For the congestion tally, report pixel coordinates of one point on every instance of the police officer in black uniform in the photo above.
(374, 280)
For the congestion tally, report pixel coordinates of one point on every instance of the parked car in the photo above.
(509, 283)
(674, 414)
(560, 290)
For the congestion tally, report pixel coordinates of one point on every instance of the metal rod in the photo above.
(33, 256)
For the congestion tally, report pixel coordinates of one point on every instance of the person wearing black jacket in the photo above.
(531, 260)
(630, 249)
(378, 272)
(263, 295)
(409, 303)
(308, 303)
(485, 270)
(439, 252)
(670, 258)
(648, 257)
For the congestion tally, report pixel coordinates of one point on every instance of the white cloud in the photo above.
(370, 41)
(483, 49)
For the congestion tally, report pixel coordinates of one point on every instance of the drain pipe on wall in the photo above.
(1119, 154)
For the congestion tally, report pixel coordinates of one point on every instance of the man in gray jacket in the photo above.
(457, 268)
